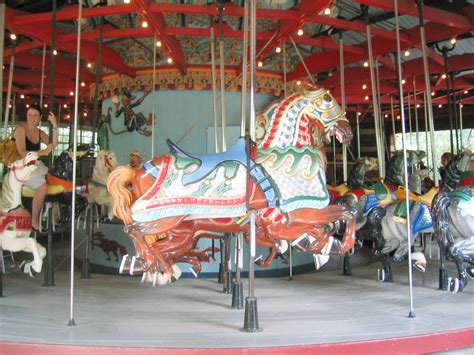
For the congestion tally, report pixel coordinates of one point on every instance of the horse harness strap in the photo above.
(261, 177)
(151, 169)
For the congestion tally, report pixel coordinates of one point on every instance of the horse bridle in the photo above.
(14, 168)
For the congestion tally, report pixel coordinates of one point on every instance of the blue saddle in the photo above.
(210, 162)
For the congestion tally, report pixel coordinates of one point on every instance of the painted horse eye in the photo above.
(327, 98)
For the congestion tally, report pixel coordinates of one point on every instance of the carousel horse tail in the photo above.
(118, 185)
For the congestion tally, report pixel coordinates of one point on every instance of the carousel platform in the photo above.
(316, 312)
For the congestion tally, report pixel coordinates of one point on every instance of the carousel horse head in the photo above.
(106, 161)
(395, 167)
(19, 173)
(303, 119)
(361, 167)
(458, 164)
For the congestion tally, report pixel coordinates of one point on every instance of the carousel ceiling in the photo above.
(308, 31)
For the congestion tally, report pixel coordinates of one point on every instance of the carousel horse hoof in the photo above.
(381, 275)
(420, 266)
(132, 264)
(303, 243)
(327, 248)
(470, 272)
(176, 271)
(125, 260)
(419, 261)
(320, 260)
(455, 285)
(258, 258)
(162, 278)
(282, 246)
(196, 274)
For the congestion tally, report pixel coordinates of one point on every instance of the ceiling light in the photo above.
(89, 65)
(462, 105)
(298, 83)
(55, 52)
(144, 24)
(68, 116)
(407, 53)
(71, 93)
(158, 43)
(327, 11)
(170, 60)
(126, 1)
(12, 36)
(364, 87)
(432, 93)
(27, 105)
(386, 115)
(366, 97)
(359, 113)
(300, 32)
(45, 105)
(22, 96)
(278, 49)
(443, 76)
(440, 105)
(65, 105)
(398, 117)
(9, 105)
(83, 84)
(366, 64)
(453, 41)
(465, 91)
(403, 81)
(85, 114)
(260, 64)
(417, 105)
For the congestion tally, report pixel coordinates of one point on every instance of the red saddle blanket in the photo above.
(15, 221)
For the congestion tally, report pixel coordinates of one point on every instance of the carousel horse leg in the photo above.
(49, 268)
(227, 284)
(375, 226)
(237, 288)
(458, 284)
(89, 220)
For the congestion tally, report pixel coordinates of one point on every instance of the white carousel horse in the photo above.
(106, 162)
(15, 221)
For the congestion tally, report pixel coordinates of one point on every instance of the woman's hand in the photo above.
(48, 149)
(52, 119)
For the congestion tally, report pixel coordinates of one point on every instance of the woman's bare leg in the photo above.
(38, 200)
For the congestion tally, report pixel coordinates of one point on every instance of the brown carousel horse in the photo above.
(177, 198)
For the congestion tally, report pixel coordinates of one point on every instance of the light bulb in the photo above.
(158, 43)
(170, 60)
(65, 105)
(83, 84)
(278, 49)
(260, 64)
(465, 91)
(89, 65)
(432, 93)
(440, 106)
(407, 53)
(364, 87)
(22, 96)
(366, 97)
(12, 36)
(403, 81)
(126, 1)
(366, 64)
(27, 105)
(300, 32)
(443, 76)
(327, 11)
(144, 24)
(298, 83)
(453, 41)
(71, 93)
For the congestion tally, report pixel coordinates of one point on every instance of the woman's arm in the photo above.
(20, 136)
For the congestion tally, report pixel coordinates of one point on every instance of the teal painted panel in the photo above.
(180, 115)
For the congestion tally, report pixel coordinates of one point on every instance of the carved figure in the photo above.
(178, 195)
(15, 221)
(108, 246)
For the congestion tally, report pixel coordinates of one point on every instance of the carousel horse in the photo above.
(182, 194)
(59, 182)
(15, 224)
(106, 162)
(389, 225)
(453, 217)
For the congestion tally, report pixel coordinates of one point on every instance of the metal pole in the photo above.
(426, 131)
(222, 73)
(245, 45)
(9, 92)
(448, 95)
(416, 116)
(251, 314)
(393, 125)
(98, 74)
(405, 167)
(381, 120)
(358, 135)
(302, 61)
(375, 105)
(284, 69)
(74, 163)
(43, 66)
(343, 102)
(460, 122)
(13, 109)
(214, 88)
(2, 40)
(456, 127)
(409, 117)
(429, 104)
(334, 159)
(153, 104)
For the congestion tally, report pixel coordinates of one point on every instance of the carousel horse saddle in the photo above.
(340, 189)
(464, 195)
(466, 178)
(426, 198)
(383, 194)
(210, 162)
(56, 186)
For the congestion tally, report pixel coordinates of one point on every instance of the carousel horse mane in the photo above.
(6, 198)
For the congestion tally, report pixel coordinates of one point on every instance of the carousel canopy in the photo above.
(307, 31)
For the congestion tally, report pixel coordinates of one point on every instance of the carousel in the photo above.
(166, 164)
